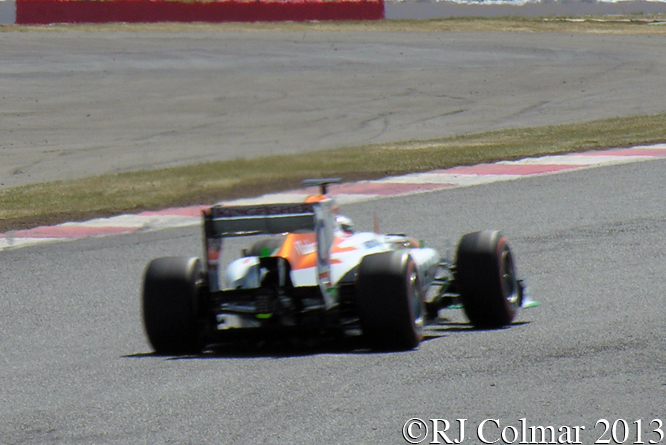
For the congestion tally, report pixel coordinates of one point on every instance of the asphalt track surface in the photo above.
(75, 366)
(83, 103)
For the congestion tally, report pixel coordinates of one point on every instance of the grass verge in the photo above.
(80, 199)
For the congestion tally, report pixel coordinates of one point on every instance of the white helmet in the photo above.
(345, 223)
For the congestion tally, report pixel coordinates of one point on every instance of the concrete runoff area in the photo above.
(7, 12)
(84, 103)
(402, 10)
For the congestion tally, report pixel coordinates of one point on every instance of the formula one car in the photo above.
(317, 277)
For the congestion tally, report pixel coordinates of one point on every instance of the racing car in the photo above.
(313, 275)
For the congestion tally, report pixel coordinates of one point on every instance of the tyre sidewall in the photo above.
(390, 301)
(171, 289)
(481, 266)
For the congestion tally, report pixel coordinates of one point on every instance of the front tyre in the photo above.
(486, 278)
(390, 301)
(171, 289)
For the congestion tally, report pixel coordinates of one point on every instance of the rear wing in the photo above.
(224, 222)
(221, 222)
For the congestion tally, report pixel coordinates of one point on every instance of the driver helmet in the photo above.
(346, 224)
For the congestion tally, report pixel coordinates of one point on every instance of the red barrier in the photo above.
(29, 12)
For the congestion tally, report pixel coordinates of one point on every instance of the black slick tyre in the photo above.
(170, 299)
(486, 278)
(390, 301)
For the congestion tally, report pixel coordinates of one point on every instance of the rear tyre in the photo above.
(390, 301)
(171, 290)
(486, 277)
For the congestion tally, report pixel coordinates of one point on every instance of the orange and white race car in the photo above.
(315, 276)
